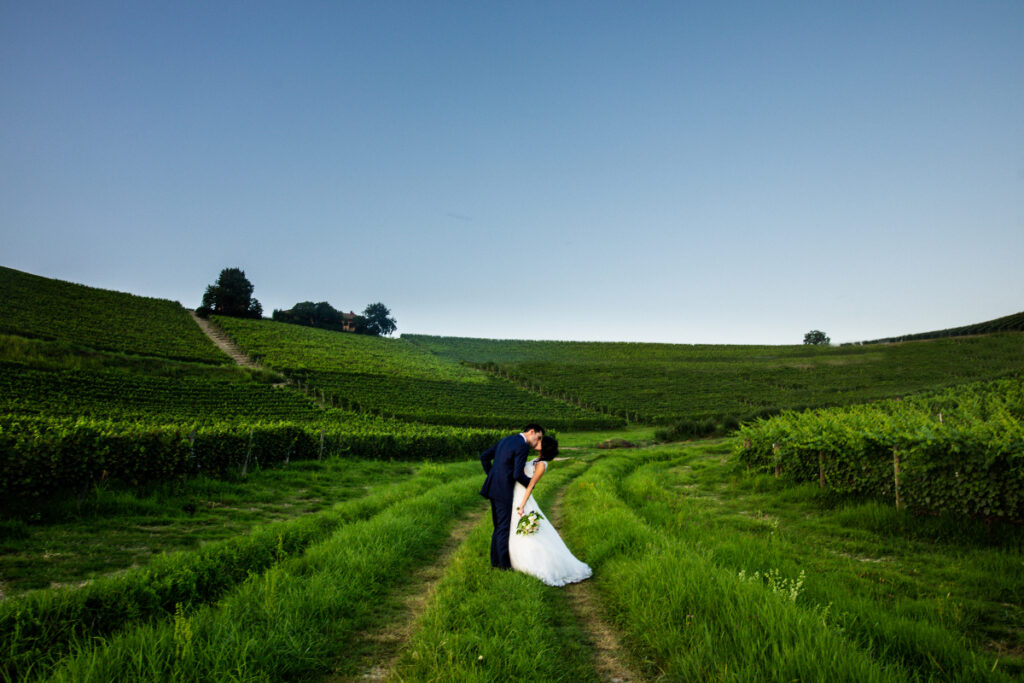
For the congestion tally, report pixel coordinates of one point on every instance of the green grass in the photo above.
(842, 590)
(37, 627)
(297, 619)
(72, 540)
(708, 571)
(489, 625)
(635, 434)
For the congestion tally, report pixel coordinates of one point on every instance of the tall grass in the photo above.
(718, 575)
(293, 621)
(691, 619)
(489, 625)
(891, 634)
(37, 628)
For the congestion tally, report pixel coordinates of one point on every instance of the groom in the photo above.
(503, 462)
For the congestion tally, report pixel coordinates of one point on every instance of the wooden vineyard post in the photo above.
(245, 466)
(821, 469)
(321, 456)
(896, 476)
(775, 450)
(192, 449)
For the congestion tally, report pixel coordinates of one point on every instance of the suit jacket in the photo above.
(504, 462)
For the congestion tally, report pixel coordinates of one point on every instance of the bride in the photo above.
(543, 553)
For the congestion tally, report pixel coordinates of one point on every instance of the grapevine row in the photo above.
(960, 451)
(44, 308)
(39, 455)
(393, 377)
(666, 383)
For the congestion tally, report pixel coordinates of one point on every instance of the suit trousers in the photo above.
(501, 515)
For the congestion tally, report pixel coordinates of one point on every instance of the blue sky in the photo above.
(660, 171)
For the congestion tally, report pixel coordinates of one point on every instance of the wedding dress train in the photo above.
(542, 554)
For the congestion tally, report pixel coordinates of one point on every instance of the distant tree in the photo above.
(231, 295)
(321, 315)
(302, 313)
(376, 320)
(326, 314)
(816, 337)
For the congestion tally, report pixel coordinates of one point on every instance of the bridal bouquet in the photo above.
(528, 523)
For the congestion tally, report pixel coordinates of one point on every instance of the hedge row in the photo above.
(960, 452)
(40, 456)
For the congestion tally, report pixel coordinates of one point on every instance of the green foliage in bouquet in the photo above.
(529, 523)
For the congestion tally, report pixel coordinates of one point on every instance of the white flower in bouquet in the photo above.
(529, 523)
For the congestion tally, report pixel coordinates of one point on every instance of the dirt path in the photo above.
(223, 342)
(610, 659)
(386, 644)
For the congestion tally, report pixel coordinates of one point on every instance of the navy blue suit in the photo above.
(503, 462)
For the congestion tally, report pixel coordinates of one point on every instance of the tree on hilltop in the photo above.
(231, 295)
(321, 315)
(376, 320)
(817, 338)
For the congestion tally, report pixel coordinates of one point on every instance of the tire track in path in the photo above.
(611, 661)
(382, 648)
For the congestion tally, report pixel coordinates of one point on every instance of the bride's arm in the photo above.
(538, 472)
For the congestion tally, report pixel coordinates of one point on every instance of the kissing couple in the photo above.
(510, 481)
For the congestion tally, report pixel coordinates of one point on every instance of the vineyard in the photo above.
(131, 396)
(33, 306)
(664, 383)
(960, 451)
(396, 378)
(128, 391)
(166, 515)
(1008, 323)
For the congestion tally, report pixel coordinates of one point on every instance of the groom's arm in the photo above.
(518, 473)
(487, 458)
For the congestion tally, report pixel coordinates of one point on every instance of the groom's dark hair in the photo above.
(534, 427)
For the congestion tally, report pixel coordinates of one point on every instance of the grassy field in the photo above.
(72, 541)
(714, 573)
(703, 570)
(664, 383)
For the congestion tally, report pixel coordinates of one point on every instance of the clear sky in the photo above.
(653, 171)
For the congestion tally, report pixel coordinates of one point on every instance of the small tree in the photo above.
(816, 337)
(231, 295)
(376, 320)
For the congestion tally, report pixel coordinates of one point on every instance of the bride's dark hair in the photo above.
(548, 448)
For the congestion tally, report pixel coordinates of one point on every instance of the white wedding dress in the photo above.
(542, 554)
